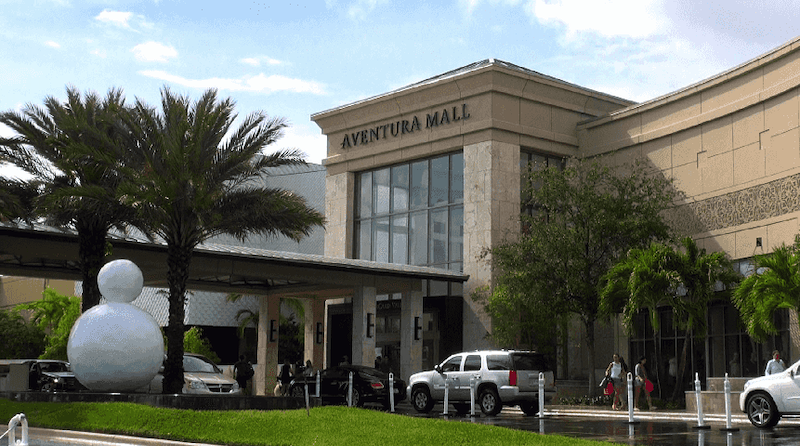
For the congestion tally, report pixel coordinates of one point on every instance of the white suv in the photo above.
(504, 377)
(765, 399)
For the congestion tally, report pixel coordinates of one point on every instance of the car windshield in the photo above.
(54, 367)
(198, 364)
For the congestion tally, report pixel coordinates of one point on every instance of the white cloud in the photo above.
(313, 144)
(608, 18)
(154, 52)
(116, 18)
(359, 9)
(258, 60)
(258, 84)
(52, 44)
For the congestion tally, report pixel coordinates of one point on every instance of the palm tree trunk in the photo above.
(91, 252)
(589, 326)
(178, 261)
(680, 378)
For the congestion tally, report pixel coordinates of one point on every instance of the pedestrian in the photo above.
(775, 365)
(284, 378)
(616, 372)
(243, 371)
(641, 383)
(309, 370)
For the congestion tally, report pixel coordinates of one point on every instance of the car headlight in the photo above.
(235, 387)
(746, 386)
(197, 385)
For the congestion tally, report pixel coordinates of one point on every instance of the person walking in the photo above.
(641, 383)
(775, 365)
(616, 371)
(243, 371)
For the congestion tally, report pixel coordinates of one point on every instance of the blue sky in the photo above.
(293, 59)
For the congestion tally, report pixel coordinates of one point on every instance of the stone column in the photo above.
(364, 315)
(339, 202)
(491, 215)
(411, 332)
(267, 356)
(314, 331)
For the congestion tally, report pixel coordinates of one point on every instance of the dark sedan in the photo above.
(369, 385)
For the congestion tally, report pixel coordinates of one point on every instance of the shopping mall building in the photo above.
(429, 175)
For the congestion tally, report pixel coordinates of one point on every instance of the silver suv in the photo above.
(504, 377)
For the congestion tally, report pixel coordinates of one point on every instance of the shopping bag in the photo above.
(609, 390)
(648, 385)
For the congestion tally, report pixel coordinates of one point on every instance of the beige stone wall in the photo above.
(18, 290)
(732, 145)
(339, 208)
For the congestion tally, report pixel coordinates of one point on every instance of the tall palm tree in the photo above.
(69, 187)
(198, 181)
(774, 285)
(687, 280)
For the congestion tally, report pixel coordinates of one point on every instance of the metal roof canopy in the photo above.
(220, 268)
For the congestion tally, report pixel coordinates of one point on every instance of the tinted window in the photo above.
(530, 361)
(473, 362)
(498, 362)
(452, 365)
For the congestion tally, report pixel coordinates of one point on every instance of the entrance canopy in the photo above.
(49, 253)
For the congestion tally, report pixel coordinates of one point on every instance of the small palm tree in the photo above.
(687, 280)
(774, 285)
(62, 147)
(198, 181)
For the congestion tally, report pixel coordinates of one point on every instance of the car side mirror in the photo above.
(438, 368)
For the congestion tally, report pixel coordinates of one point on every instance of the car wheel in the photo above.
(530, 409)
(356, 398)
(297, 392)
(48, 387)
(490, 402)
(761, 410)
(421, 399)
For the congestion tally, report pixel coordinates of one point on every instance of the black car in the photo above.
(370, 385)
(52, 376)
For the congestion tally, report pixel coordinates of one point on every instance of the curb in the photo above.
(78, 438)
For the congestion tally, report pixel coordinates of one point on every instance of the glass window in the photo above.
(380, 191)
(400, 188)
(498, 362)
(365, 203)
(440, 179)
(364, 239)
(457, 178)
(452, 365)
(438, 236)
(419, 185)
(400, 239)
(380, 236)
(473, 362)
(418, 251)
(456, 244)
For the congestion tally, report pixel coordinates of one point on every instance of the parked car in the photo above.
(200, 376)
(767, 398)
(504, 378)
(370, 385)
(46, 375)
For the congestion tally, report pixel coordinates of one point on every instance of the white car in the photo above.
(767, 398)
(200, 376)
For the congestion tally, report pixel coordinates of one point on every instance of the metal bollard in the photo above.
(350, 389)
(472, 381)
(728, 426)
(630, 399)
(541, 395)
(699, 397)
(308, 410)
(21, 420)
(391, 391)
(318, 383)
(446, 395)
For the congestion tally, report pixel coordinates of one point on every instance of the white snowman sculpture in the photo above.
(116, 347)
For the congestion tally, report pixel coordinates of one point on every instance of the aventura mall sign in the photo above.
(447, 116)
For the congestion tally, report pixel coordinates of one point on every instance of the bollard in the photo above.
(318, 383)
(541, 395)
(391, 391)
(472, 381)
(630, 400)
(728, 426)
(446, 395)
(699, 397)
(21, 420)
(308, 410)
(350, 389)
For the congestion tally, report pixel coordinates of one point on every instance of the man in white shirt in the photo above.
(775, 365)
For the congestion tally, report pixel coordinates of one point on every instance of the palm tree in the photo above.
(774, 285)
(687, 280)
(198, 181)
(68, 186)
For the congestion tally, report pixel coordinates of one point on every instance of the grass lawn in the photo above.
(330, 425)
